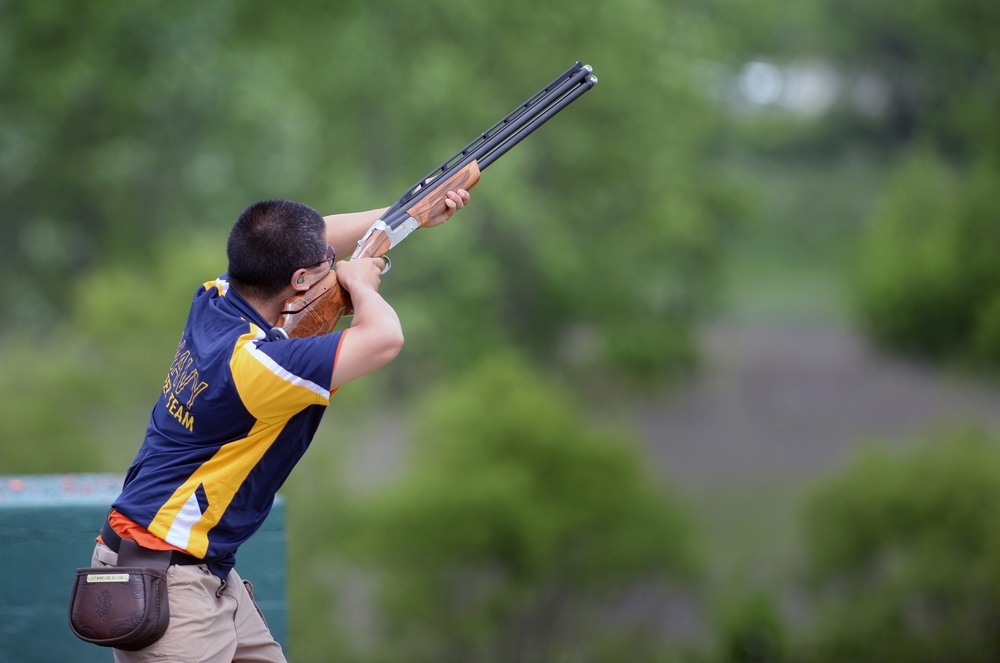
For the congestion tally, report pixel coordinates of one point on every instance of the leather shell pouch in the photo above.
(123, 606)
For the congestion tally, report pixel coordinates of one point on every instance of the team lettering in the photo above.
(182, 386)
(176, 408)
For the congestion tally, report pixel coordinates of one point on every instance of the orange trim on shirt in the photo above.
(129, 529)
(336, 356)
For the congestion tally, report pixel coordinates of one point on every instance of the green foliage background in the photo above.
(929, 282)
(162, 123)
(904, 556)
(575, 285)
(513, 526)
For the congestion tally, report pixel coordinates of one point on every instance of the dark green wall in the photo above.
(47, 529)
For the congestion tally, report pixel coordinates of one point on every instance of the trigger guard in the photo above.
(388, 264)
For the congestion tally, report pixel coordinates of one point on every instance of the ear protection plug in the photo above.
(301, 280)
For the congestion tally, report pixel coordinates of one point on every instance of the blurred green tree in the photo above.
(78, 398)
(751, 630)
(903, 555)
(592, 244)
(514, 528)
(110, 119)
(928, 274)
(940, 60)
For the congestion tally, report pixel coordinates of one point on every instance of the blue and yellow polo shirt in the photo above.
(236, 413)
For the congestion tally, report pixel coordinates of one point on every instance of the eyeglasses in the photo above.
(331, 257)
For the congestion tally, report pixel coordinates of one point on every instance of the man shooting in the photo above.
(238, 409)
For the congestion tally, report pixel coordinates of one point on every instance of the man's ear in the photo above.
(298, 280)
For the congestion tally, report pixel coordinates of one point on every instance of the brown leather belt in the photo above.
(113, 540)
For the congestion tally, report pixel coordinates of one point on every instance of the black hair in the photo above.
(269, 241)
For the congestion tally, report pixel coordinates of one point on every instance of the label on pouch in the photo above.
(107, 577)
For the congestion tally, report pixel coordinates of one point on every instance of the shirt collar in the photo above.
(243, 307)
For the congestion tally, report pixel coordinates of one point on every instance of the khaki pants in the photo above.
(211, 620)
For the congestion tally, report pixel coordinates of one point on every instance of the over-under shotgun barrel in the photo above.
(505, 134)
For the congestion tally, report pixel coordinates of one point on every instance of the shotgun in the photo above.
(318, 310)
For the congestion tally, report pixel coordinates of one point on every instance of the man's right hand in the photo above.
(360, 273)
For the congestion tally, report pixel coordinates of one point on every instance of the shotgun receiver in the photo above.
(318, 310)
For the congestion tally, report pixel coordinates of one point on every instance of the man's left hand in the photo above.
(454, 201)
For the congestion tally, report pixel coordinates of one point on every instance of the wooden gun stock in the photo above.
(318, 310)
